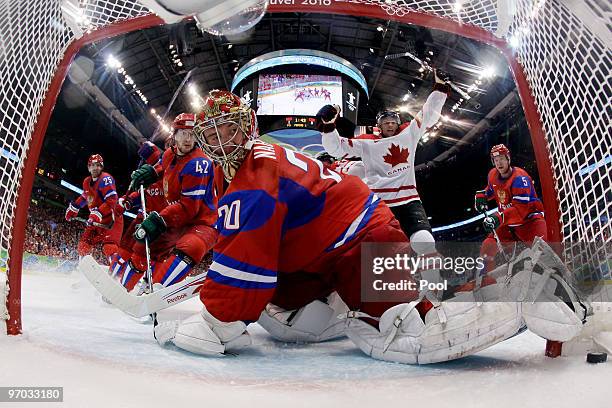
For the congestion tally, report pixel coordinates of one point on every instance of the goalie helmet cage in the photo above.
(559, 59)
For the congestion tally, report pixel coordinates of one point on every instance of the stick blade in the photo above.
(111, 289)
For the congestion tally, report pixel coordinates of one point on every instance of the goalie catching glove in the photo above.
(151, 228)
(145, 175)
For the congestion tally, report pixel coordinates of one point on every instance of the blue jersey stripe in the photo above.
(351, 232)
(241, 266)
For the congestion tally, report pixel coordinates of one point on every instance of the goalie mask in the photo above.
(224, 128)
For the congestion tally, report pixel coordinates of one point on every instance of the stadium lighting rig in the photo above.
(114, 63)
(174, 56)
(196, 100)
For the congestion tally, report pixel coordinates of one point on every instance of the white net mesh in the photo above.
(566, 62)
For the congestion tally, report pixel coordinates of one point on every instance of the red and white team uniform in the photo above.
(100, 196)
(188, 184)
(132, 257)
(349, 168)
(132, 250)
(290, 233)
(283, 218)
(522, 212)
(389, 162)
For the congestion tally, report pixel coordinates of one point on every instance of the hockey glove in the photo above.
(145, 175)
(71, 212)
(492, 222)
(125, 203)
(481, 202)
(441, 80)
(151, 228)
(95, 217)
(326, 118)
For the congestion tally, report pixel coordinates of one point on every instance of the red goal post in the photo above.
(37, 47)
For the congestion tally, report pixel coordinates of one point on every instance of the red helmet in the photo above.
(184, 121)
(500, 150)
(95, 158)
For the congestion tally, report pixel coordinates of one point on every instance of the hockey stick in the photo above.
(95, 224)
(145, 304)
(149, 272)
(500, 247)
(428, 67)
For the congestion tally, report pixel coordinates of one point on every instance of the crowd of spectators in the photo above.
(48, 233)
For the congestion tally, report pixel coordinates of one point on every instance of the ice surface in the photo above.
(104, 358)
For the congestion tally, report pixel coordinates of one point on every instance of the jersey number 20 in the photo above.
(230, 214)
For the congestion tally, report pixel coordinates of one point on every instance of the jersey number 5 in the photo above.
(230, 214)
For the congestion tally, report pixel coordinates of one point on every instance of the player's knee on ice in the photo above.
(422, 242)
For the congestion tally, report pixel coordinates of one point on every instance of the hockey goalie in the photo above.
(289, 248)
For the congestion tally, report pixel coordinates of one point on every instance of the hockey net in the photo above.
(559, 56)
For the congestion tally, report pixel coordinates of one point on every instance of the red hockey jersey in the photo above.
(515, 196)
(281, 213)
(154, 196)
(189, 188)
(99, 194)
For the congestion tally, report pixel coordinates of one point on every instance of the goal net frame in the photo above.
(492, 22)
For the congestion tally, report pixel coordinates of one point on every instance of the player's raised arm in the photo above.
(333, 143)
(432, 109)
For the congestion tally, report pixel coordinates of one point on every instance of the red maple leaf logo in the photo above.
(396, 155)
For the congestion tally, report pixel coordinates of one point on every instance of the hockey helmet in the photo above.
(325, 157)
(388, 115)
(184, 121)
(500, 150)
(95, 158)
(224, 107)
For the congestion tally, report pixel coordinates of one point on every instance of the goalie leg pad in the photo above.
(315, 322)
(452, 330)
(545, 313)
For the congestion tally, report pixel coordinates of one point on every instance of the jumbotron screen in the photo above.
(297, 94)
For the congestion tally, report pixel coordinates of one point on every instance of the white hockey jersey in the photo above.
(349, 167)
(389, 162)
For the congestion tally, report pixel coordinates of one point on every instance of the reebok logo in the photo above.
(176, 298)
